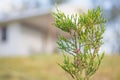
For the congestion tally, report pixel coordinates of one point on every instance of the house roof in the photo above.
(41, 19)
(24, 15)
(68, 7)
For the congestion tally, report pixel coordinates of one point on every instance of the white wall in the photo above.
(24, 40)
(31, 40)
(12, 46)
(34, 41)
(50, 45)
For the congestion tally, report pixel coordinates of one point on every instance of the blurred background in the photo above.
(28, 49)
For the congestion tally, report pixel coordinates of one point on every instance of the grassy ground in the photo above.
(44, 67)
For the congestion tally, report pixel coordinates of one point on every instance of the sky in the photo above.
(107, 5)
(5, 5)
(86, 3)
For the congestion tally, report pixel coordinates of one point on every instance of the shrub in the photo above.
(86, 34)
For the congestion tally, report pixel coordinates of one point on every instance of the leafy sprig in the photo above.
(86, 34)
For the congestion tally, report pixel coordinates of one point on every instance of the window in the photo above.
(3, 34)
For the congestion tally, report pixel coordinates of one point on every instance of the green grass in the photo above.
(44, 67)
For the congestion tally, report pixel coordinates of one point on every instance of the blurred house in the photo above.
(28, 32)
(31, 31)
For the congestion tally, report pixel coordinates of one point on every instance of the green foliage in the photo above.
(86, 32)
